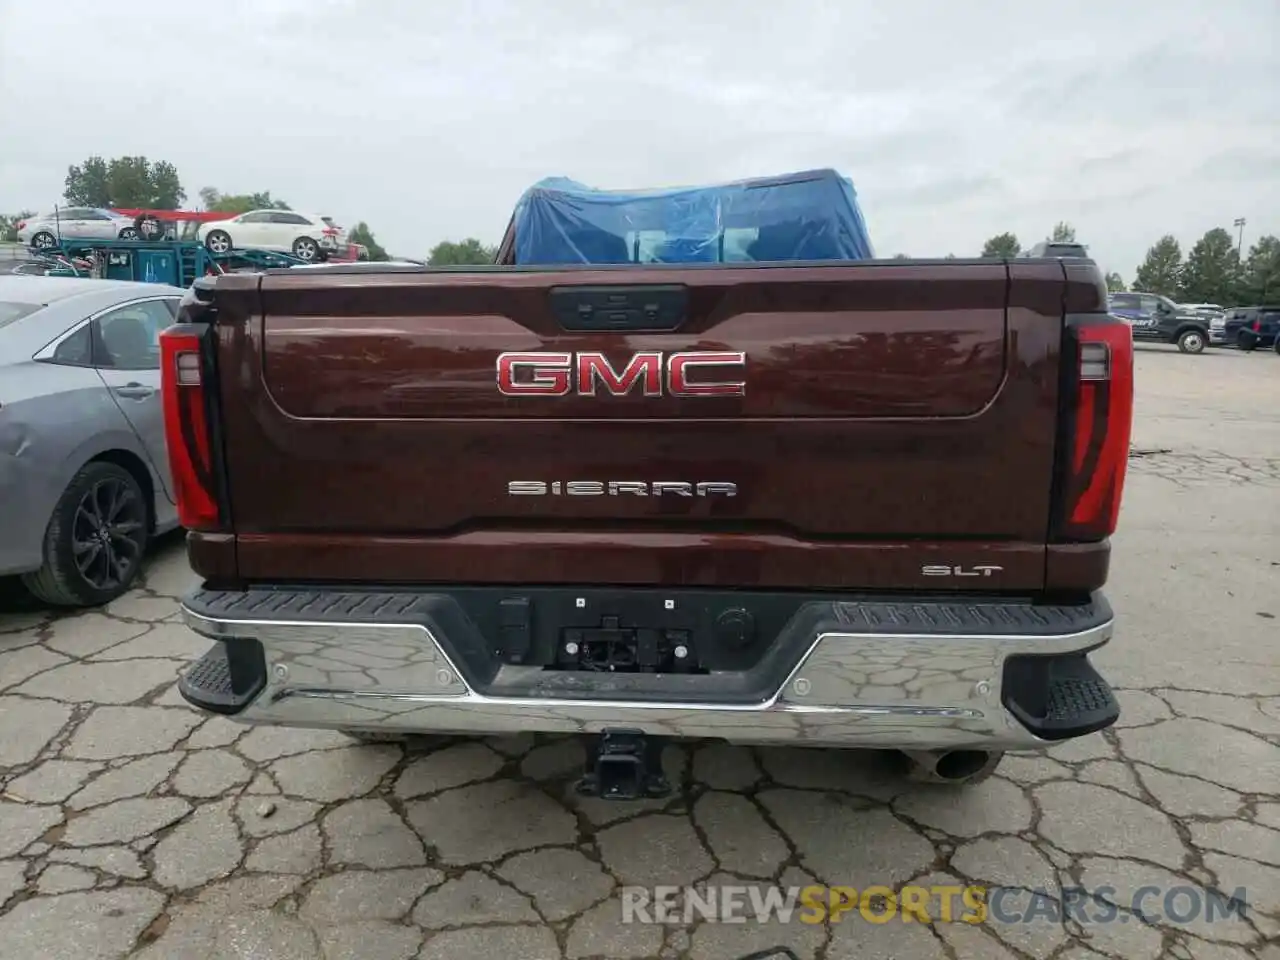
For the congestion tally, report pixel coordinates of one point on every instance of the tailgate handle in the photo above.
(600, 309)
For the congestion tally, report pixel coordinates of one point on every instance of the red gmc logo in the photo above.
(696, 373)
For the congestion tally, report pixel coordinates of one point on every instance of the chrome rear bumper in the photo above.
(852, 688)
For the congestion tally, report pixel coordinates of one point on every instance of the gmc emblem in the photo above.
(588, 374)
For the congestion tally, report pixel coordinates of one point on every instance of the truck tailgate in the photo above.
(891, 417)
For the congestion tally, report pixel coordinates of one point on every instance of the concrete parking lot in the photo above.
(130, 825)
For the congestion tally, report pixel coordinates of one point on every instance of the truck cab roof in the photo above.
(1053, 248)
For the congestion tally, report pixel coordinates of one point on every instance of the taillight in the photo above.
(1100, 391)
(1257, 325)
(186, 427)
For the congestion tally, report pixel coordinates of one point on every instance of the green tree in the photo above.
(124, 182)
(901, 256)
(1212, 271)
(949, 256)
(1063, 232)
(166, 187)
(9, 225)
(1162, 268)
(88, 185)
(362, 235)
(1260, 278)
(212, 199)
(1003, 246)
(1115, 283)
(470, 251)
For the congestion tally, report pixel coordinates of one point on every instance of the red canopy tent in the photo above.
(187, 216)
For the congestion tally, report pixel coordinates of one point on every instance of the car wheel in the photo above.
(95, 541)
(1246, 341)
(1191, 341)
(304, 248)
(218, 241)
(44, 240)
(128, 233)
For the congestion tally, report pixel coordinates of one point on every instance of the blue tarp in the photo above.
(800, 216)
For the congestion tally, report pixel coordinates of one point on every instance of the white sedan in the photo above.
(44, 232)
(306, 236)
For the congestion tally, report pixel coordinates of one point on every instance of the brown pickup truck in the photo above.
(862, 505)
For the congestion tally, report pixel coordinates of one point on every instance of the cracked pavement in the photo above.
(131, 825)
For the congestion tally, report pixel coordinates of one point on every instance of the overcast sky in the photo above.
(1129, 118)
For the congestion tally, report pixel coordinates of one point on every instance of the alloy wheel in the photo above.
(108, 533)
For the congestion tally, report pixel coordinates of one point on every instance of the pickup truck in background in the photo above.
(1215, 315)
(844, 504)
(1158, 319)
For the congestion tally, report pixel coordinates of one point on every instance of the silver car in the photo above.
(79, 223)
(84, 472)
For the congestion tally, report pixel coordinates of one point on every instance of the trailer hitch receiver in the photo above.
(624, 765)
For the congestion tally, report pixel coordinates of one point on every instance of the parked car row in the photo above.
(310, 237)
(1194, 326)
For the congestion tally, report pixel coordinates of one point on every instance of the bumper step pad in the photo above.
(1057, 698)
(227, 678)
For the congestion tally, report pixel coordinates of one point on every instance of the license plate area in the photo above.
(615, 648)
(628, 631)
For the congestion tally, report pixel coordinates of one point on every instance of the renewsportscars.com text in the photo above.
(925, 904)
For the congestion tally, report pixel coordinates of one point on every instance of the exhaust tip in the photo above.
(961, 764)
(951, 766)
